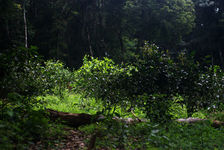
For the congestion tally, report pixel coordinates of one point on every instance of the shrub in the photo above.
(151, 83)
(21, 72)
(56, 77)
(155, 72)
(159, 74)
(200, 86)
(26, 73)
(23, 77)
(155, 83)
(103, 80)
(19, 124)
(156, 107)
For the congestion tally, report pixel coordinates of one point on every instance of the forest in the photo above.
(112, 74)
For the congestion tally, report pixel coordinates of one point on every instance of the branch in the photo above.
(215, 123)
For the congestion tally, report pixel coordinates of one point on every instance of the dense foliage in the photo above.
(178, 75)
(104, 80)
(158, 73)
(155, 137)
(152, 83)
(68, 30)
(24, 77)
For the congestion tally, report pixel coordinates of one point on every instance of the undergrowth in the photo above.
(144, 135)
(152, 136)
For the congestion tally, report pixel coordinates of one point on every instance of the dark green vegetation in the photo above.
(157, 84)
(67, 30)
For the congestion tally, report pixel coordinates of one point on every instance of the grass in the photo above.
(73, 103)
(76, 103)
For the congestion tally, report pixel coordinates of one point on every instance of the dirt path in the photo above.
(75, 140)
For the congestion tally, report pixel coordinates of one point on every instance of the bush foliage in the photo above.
(104, 80)
(24, 75)
(152, 82)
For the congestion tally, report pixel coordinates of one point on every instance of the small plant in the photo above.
(177, 108)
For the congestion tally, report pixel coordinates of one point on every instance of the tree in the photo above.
(68, 30)
(163, 22)
(207, 38)
(11, 24)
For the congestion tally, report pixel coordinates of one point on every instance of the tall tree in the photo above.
(208, 36)
(164, 22)
(25, 24)
(11, 24)
(68, 30)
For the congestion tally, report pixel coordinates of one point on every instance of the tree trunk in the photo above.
(71, 119)
(75, 120)
(7, 30)
(221, 58)
(89, 41)
(215, 123)
(25, 24)
(121, 42)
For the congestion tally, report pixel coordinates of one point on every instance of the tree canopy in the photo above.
(68, 30)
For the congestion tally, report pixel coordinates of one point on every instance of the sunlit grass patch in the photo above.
(73, 103)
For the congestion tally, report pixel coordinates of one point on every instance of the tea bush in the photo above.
(200, 86)
(152, 82)
(23, 77)
(161, 75)
(103, 80)
(56, 77)
(21, 71)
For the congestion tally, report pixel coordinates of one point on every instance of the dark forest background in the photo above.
(112, 74)
(69, 29)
